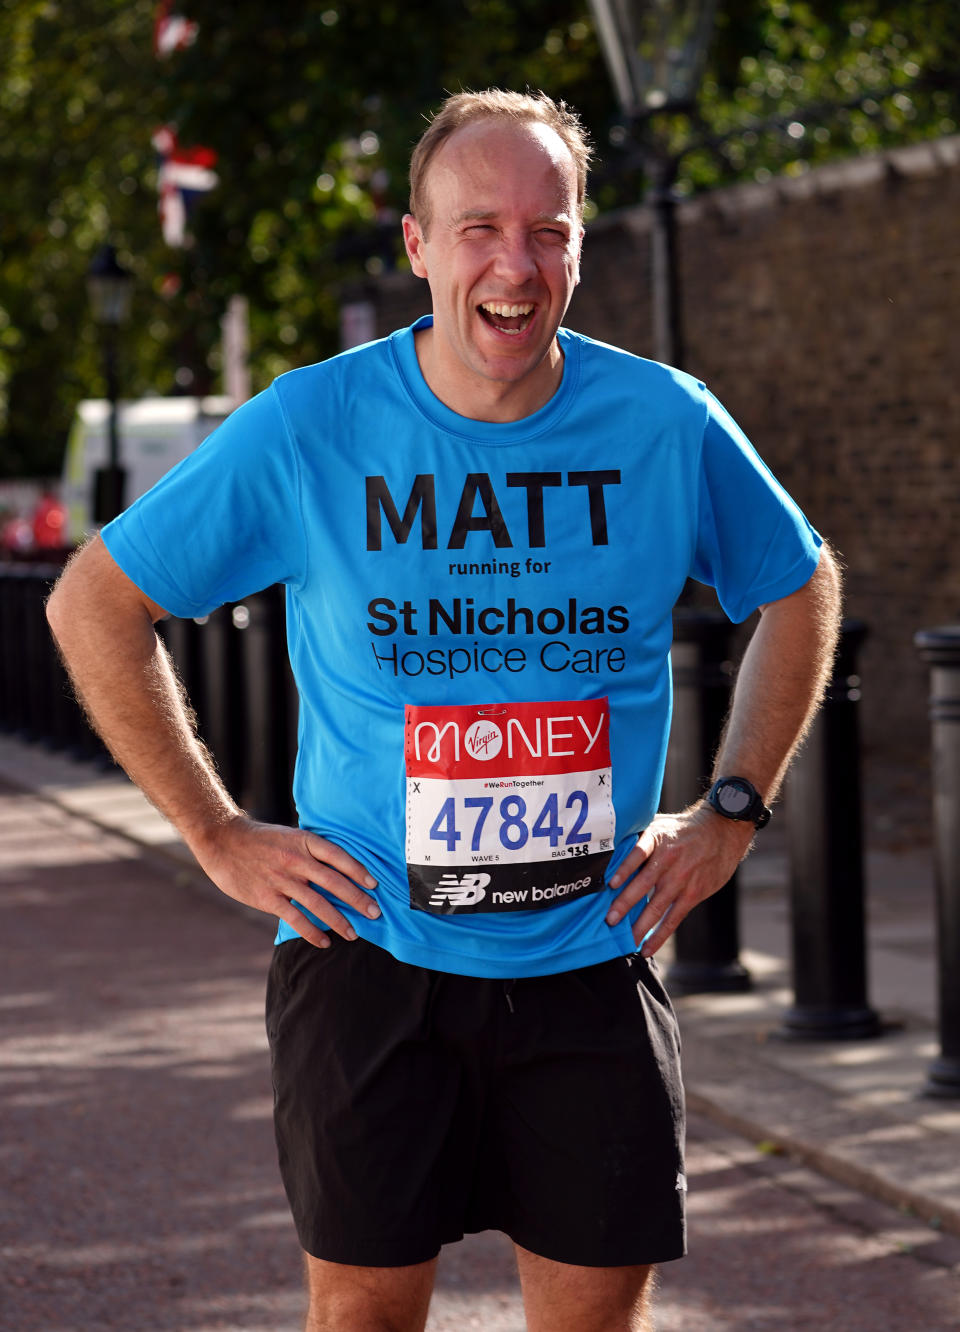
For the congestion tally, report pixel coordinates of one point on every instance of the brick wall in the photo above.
(823, 311)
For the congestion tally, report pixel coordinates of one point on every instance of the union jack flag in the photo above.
(183, 173)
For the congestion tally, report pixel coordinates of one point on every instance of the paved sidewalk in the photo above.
(850, 1111)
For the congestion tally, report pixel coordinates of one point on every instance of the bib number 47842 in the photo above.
(514, 788)
(511, 822)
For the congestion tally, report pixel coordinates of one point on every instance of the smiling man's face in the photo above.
(501, 253)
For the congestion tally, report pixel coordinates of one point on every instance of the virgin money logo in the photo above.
(483, 740)
(533, 740)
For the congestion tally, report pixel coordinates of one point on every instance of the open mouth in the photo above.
(512, 319)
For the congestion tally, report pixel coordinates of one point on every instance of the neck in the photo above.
(491, 400)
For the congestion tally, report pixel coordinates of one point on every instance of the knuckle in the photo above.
(288, 858)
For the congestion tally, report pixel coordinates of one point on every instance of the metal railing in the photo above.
(235, 669)
(233, 664)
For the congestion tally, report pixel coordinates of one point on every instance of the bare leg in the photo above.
(368, 1299)
(560, 1297)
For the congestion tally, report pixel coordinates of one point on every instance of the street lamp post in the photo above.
(654, 52)
(110, 292)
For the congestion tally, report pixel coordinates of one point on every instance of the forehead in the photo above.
(492, 166)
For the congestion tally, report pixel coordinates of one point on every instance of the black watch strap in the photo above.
(736, 798)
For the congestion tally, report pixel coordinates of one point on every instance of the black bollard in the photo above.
(26, 645)
(12, 682)
(52, 689)
(825, 830)
(707, 943)
(38, 654)
(941, 649)
(6, 632)
(268, 758)
(221, 666)
(183, 642)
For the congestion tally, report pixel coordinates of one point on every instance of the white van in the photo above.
(154, 433)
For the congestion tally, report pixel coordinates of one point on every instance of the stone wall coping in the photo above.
(930, 158)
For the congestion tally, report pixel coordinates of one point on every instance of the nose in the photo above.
(515, 261)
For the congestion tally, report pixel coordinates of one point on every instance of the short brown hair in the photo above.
(496, 103)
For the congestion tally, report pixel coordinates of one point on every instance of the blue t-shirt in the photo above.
(479, 623)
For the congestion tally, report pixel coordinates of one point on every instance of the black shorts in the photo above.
(413, 1106)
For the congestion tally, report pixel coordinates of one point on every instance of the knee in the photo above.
(372, 1299)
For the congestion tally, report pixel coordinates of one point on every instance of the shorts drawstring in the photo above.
(508, 988)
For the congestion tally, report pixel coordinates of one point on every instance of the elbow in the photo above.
(66, 603)
(76, 595)
(55, 610)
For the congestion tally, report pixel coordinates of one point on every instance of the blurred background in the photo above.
(196, 196)
(245, 167)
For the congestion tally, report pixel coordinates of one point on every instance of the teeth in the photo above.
(506, 311)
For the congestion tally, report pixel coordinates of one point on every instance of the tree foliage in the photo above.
(79, 99)
(791, 85)
(313, 110)
(324, 119)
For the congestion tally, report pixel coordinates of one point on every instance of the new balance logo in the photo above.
(462, 892)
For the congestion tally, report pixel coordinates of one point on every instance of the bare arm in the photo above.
(683, 858)
(104, 627)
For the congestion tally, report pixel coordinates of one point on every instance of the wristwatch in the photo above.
(736, 798)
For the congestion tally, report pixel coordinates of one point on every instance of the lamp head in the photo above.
(654, 50)
(109, 288)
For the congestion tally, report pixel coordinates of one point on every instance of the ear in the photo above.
(413, 241)
(579, 254)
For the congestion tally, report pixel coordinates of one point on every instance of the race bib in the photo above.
(509, 805)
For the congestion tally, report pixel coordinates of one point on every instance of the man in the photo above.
(483, 523)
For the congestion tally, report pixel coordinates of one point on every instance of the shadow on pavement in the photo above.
(138, 1169)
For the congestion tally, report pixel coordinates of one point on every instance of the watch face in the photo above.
(733, 799)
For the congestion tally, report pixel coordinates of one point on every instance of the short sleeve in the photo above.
(754, 544)
(224, 523)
